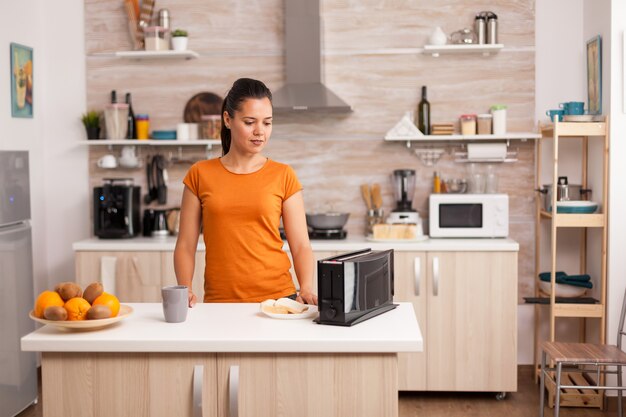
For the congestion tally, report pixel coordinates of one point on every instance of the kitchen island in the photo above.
(227, 360)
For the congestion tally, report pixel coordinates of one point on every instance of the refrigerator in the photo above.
(18, 370)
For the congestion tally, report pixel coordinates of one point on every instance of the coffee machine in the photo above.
(116, 209)
(403, 183)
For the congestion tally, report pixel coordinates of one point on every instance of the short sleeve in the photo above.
(192, 179)
(292, 184)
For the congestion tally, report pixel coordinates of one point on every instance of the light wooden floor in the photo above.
(523, 403)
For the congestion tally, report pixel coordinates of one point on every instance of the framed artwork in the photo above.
(594, 75)
(21, 81)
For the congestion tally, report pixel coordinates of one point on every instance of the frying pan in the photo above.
(329, 220)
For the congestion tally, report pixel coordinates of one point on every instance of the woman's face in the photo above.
(251, 125)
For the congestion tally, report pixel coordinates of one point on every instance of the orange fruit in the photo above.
(77, 308)
(47, 299)
(106, 299)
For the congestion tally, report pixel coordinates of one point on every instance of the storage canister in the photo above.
(156, 38)
(483, 122)
(468, 124)
(142, 126)
(211, 126)
(498, 111)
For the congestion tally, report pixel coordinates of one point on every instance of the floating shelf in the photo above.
(443, 138)
(484, 49)
(152, 142)
(170, 54)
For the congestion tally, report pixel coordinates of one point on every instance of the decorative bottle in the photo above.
(423, 114)
(131, 133)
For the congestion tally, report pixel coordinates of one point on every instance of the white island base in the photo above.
(227, 360)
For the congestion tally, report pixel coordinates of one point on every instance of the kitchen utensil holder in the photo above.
(374, 217)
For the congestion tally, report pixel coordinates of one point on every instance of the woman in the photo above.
(240, 198)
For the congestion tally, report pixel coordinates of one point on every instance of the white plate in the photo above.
(124, 312)
(418, 239)
(310, 313)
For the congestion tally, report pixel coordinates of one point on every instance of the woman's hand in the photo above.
(306, 296)
(192, 298)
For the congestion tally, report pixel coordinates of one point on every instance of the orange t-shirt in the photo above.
(241, 214)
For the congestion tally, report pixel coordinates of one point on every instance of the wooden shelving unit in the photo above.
(557, 132)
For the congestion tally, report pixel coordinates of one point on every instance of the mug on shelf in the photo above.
(552, 113)
(107, 161)
(573, 107)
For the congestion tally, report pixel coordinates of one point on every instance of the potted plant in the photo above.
(91, 121)
(179, 40)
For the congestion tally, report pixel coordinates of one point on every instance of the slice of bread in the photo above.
(274, 309)
(292, 306)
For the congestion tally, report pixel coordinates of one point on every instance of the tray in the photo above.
(310, 313)
(125, 311)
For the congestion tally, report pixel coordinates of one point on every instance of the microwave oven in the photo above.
(469, 215)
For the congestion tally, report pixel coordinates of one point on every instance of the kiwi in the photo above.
(68, 290)
(98, 312)
(93, 291)
(56, 313)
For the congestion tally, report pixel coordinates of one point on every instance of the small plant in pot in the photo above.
(91, 121)
(179, 40)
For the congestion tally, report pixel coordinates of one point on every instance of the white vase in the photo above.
(438, 37)
(179, 43)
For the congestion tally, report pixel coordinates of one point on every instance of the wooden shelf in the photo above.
(575, 220)
(575, 129)
(152, 142)
(578, 310)
(169, 54)
(484, 49)
(443, 138)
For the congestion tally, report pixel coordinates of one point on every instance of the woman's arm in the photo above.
(187, 242)
(294, 222)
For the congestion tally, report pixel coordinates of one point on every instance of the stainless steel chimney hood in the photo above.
(304, 89)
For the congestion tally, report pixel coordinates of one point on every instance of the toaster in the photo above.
(354, 287)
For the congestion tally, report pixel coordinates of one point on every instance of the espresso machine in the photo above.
(403, 183)
(116, 209)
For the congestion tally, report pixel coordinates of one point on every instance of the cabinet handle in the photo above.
(233, 391)
(436, 276)
(417, 272)
(198, 380)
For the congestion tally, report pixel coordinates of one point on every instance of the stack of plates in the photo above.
(583, 118)
(579, 207)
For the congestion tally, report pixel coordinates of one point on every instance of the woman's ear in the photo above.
(226, 117)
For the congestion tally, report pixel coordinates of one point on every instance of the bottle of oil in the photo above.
(130, 133)
(423, 114)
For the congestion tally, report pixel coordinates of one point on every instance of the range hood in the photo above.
(304, 89)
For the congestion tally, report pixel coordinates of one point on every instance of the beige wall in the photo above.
(334, 154)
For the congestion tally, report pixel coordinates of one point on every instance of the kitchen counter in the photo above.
(212, 327)
(146, 244)
(225, 360)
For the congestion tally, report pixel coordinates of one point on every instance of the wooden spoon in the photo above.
(376, 197)
(365, 192)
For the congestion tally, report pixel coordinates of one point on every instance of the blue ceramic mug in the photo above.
(573, 107)
(552, 113)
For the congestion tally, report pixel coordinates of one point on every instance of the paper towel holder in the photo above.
(461, 156)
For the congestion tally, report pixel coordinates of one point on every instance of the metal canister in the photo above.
(164, 18)
(492, 29)
(480, 28)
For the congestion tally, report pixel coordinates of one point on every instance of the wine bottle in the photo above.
(113, 97)
(423, 114)
(130, 133)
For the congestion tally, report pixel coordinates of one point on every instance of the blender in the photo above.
(403, 182)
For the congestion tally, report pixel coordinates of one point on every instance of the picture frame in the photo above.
(21, 80)
(594, 75)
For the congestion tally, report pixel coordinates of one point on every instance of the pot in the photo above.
(564, 192)
(173, 221)
(330, 220)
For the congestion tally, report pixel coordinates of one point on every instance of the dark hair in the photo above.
(201, 104)
(241, 90)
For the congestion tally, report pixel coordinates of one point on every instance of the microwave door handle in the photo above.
(436, 276)
(417, 271)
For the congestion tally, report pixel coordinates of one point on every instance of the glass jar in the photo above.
(142, 126)
(156, 38)
(468, 124)
(483, 123)
(211, 126)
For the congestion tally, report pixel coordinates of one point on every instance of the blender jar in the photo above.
(403, 181)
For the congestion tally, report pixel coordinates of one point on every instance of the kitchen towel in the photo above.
(486, 151)
(107, 273)
(583, 280)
